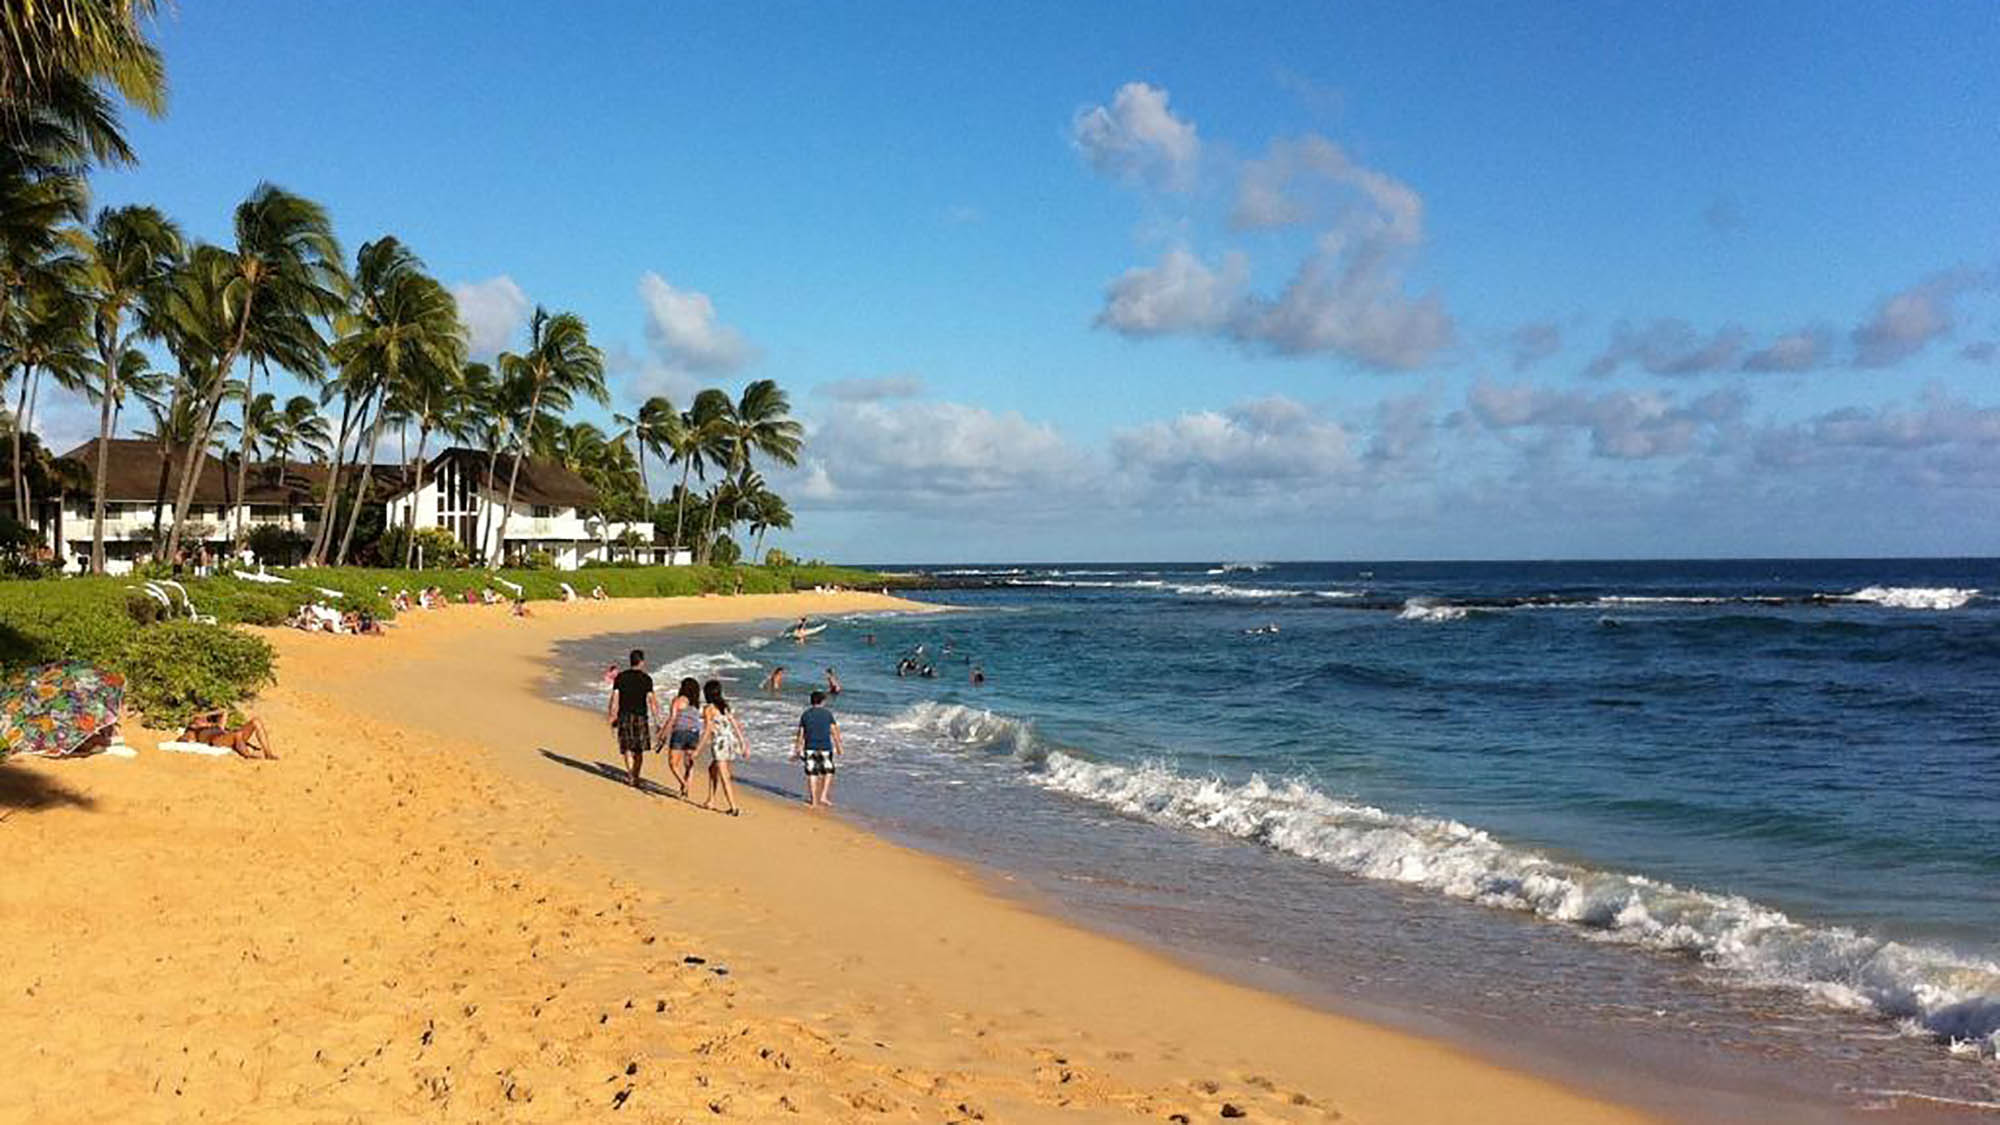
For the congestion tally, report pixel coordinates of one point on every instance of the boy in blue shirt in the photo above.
(817, 744)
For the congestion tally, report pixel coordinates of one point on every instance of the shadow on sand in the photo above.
(34, 791)
(615, 773)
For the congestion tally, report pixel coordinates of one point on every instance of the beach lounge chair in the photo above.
(154, 592)
(569, 592)
(186, 602)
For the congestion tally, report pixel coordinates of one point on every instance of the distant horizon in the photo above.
(1418, 561)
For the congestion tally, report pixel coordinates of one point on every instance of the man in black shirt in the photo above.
(632, 711)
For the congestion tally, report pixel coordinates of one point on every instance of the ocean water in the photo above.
(1732, 825)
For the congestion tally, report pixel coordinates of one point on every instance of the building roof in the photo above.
(541, 482)
(132, 474)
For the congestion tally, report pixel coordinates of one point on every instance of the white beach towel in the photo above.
(267, 579)
(514, 586)
(196, 748)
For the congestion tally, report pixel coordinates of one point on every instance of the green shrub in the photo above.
(177, 668)
(254, 607)
(143, 609)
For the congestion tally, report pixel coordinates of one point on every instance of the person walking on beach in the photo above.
(683, 732)
(632, 710)
(817, 743)
(722, 742)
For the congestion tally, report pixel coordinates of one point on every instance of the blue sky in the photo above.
(1089, 281)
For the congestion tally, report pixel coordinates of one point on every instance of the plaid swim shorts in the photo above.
(819, 763)
(635, 734)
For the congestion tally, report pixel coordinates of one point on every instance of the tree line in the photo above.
(380, 342)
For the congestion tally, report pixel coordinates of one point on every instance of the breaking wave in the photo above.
(1914, 597)
(1931, 991)
(1420, 609)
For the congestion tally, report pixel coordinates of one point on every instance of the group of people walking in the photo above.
(697, 729)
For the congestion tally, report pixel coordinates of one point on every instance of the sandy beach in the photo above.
(438, 906)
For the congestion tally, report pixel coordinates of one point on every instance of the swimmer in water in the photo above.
(832, 683)
(978, 675)
(775, 682)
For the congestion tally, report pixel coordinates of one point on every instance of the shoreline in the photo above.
(885, 978)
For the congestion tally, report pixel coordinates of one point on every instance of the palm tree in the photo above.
(260, 416)
(765, 510)
(402, 323)
(283, 275)
(760, 422)
(173, 427)
(698, 442)
(57, 59)
(430, 392)
(50, 337)
(560, 358)
(651, 431)
(130, 256)
(297, 426)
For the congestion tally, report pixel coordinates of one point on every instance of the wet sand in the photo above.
(444, 904)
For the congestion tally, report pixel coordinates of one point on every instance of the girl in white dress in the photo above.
(722, 742)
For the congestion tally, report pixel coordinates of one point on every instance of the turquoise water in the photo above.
(1731, 811)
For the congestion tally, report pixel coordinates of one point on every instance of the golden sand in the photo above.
(418, 914)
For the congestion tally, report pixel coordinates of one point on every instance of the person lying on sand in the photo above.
(597, 593)
(520, 608)
(251, 740)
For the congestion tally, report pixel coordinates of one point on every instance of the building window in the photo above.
(543, 511)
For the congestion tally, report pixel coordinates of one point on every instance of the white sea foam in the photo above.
(701, 664)
(1336, 593)
(1224, 590)
(1660, 599)
(1953, 998)
(1419, 609)
(1914, 597)
(756, 642)
(970, 727)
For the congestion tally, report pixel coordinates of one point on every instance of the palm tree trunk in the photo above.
(160, 493)
(199, 450)
(363, 482)
(514, 474)
(708, 528)
(20, 425)
(331, 501)
(680, 501)
(107, 422)
(242, 509)
(410, 513)
(492, 472)
(31, 392)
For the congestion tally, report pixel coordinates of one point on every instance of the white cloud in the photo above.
(874, 389)
(1904, 323)
(1138, 136)
(1534, 342)
(1795, 351)
(1350, 302)
(492, 312)
(1306, 178)
(1669, 347)
(1180, 294)
(915, 454)
(1348, 297)
(1249, 447)
(1623, 425)
(685, 332)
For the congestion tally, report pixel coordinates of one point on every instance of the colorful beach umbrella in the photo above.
(51, 711)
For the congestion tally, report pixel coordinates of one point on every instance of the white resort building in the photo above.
(550, 511)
